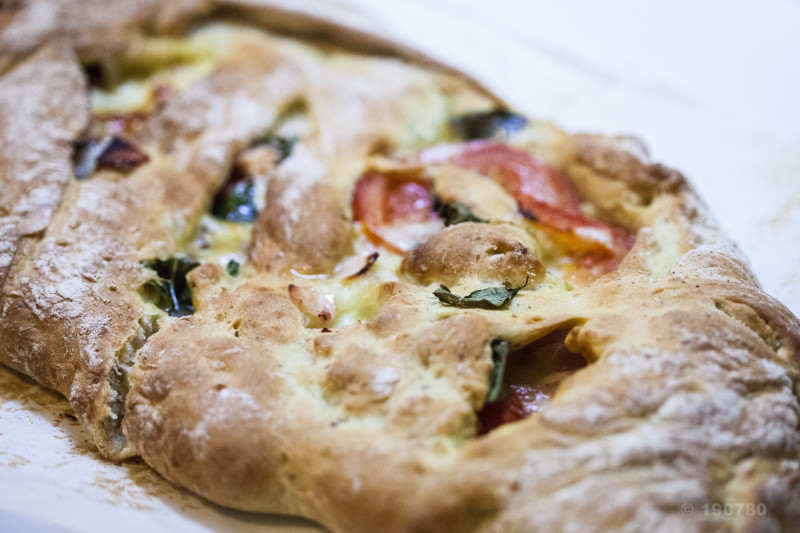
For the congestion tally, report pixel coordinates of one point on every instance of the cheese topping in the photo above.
(154, 68)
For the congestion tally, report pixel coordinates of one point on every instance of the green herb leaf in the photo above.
(489, 124)
(282, 145)
(171, 291)
(233, 268)
(455, 212)
(236, 202)
(491, 298)
(500, 351)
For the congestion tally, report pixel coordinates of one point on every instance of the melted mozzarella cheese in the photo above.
(220, 242)
(150, 65)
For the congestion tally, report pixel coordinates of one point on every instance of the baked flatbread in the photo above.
(297, 279)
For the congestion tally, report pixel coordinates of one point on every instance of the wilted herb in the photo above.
(282, 145)
(491, 298)
(235, 202)
(454, 212)
(171, 290)
(233, 268)
(488, 124)
(500, 350)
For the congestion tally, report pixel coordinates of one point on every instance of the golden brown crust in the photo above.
(84, 274)
(624, 159)
(42, 109)
(690, 396)
(492, 253)
(304, 224)
(91, 25)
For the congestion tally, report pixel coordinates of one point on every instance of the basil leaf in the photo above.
(236, 201)
(491, 298)
(282, 145)
(171, 290)
(500, 351)
(232, 267)
(454, 212)
(488, 124)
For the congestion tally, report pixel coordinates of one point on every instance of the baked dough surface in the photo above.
(367, 419)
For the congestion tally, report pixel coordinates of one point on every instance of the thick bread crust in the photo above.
(71, 306)
(42, 110)
(691, 394)
(304, 224)
(93, 26)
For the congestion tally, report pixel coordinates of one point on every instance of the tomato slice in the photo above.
(594, 246)
(531, 378)
(521, 402)
(388, 204)
(380, 198)
(523, 176)
(394, 209)
(545, 196)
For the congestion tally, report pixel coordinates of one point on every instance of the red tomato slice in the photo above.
(544, 195)
(382, 199)
(522, 175)
(578, 234)
(521, 402)
(383, 203)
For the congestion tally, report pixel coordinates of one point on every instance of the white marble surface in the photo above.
(711, 85)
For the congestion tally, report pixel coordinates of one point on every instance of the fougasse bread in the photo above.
(297, 277)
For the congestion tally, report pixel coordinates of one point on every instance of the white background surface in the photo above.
(711, 85)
